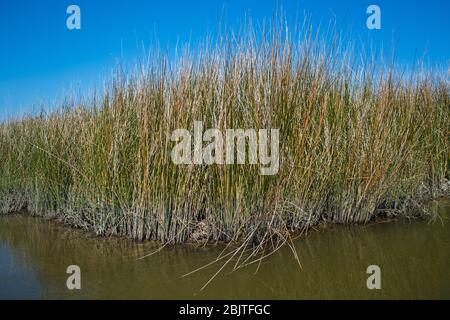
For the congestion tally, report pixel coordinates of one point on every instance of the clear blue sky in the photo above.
(41, 60)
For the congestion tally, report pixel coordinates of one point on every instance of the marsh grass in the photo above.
(358, 140)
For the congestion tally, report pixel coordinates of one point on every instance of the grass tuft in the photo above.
(358, 140)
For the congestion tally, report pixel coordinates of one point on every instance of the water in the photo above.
(414, 258)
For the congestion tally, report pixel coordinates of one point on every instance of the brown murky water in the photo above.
(414, 258)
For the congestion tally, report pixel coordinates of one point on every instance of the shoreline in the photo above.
(439, 194)
(338, 255)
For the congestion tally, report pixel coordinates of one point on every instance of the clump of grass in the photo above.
(357, 140)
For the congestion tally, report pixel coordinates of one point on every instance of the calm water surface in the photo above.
(414, 257)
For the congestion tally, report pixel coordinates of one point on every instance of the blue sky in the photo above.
(41, 60)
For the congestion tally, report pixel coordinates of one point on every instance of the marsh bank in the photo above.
(414, 258)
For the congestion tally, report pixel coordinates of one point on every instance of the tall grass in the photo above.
(357, 140)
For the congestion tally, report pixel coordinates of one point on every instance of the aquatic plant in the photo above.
(358, 140)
